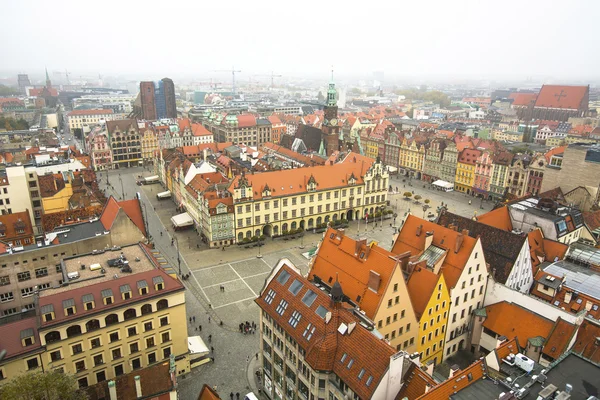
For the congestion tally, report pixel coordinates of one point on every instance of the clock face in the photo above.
(333, 122)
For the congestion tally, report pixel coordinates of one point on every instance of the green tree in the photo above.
(11, 124)
(7, 91)
(77, 132)
(407, 195)
(42, 386)
(418, 197)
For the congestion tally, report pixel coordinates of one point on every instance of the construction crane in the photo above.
(233, 72)
(273, 76)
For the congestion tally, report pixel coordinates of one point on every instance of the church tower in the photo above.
(48, 81)
(331, 128)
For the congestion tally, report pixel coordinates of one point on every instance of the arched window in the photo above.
(146, 309)
(162, 304)
(284, 227)
(73, 330)
(92, 325)
(53, 336)
(294, 225)
(130, 313)
(240, 237)
(111, 319)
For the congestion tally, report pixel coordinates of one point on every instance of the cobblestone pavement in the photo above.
(242, 274)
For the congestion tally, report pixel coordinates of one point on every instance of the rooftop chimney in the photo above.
(138, 387)
(465, 232)
(419, 229)
(428, 239)
(374, 281)
(453, 370)
(341, 232)
(459, 241)
(568, 297)
(359, 243)
(112, 390)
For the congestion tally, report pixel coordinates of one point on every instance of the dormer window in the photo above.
(311, 186)
(142, 287)
(158, 282)
(27, 338)
(47, 312)
(107, 296)
(69, 307)
(88, 301)
(125, 292)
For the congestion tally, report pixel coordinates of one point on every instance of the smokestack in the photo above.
(138, 386)
(112, 390)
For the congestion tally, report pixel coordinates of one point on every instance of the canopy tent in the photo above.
(443, 185)
(182, 220)
(391, 169)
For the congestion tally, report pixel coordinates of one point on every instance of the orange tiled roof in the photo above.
(559, 338)
(523, 99)
(510, 320)
(132, 209)
(421, 285)
(468, 156)
(208, 393)
(561, 96)
(294, 181)
(449, 387)
(339, 258)
(553, 151)
(12, 222)
(586, 343)
(544, 249)
(443, 237)
(499, 218)
(506, 348)
(416, 383)
(90, 112)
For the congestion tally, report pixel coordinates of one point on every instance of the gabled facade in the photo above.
(412, 155)
(483, 172)
(374, 282)
(449, 160)
(465, 170)
(149, 143)
(99, 149)
(499, 175)
(124, 142)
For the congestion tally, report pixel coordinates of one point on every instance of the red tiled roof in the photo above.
(510, 320)
(560, 96)
(10, 222)
(11, 338)
(246, 120)
(339, 258)
(506, 348)
(499, 218)
(554, 151)
(208, 393)
(443, 237)
(546, 249)
(131, 208)
(90, 112)
(524, 99)
(468, 156)
(294, 181)
(559, 338)
(326, 347)
(416, 383)
(586, 342)
(199, 130)
(183, 123)
(449, 387)
(51, 184)
(592, 219)
(274, 120)
(421, 285)
(34, 92)
(170, 285)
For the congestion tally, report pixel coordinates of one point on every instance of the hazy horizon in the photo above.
(435, 40)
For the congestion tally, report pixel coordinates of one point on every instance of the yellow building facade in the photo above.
(411, 158)
(465, 170)
(149, 143)
(271, 203)
(59, 201)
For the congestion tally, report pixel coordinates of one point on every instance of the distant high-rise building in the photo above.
(157, 100)
(23, 81)
(169, 96)
(148, 100)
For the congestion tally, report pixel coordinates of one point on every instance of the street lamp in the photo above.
(178, 255)
(424, 209)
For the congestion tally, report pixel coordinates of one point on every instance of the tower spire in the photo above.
(332, 73)
(48, 82)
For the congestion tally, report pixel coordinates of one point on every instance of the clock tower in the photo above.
(331, 128)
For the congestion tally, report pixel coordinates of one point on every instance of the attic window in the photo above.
(321, 311)
(125, 292)
(158, 282)
(369, 380)
(362, 255)
(47, 312)
(361, 374)
(69, 307)
(142, 287)
(107, 296)
(88, 301)
(281, 307)
(308, 332)
(343, 358)
(332, 236)
(27, 338)
(295, 318)
(309, 298)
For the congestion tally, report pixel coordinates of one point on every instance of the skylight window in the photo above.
(281, 307)
(351, 363)
(308, 332)
(321, 311)
(343, 357)
(283, 277)
(295, 318)
(270, 296)
(309, 298)
(361, 374)
(369, 380)
(295, 287)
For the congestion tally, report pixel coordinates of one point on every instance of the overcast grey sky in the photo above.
(404, 38)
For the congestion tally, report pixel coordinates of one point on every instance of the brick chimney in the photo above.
(459, 242)
(362, 242)
(419, 229)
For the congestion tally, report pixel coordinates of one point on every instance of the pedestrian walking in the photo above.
(209, 317)
(210, 339)
(200, 328)
(257, 356)
(237, 396)
(212, 349)
(190, 320)
(194, 318)
(231, 395)
(247, 359)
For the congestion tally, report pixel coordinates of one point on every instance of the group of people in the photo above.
(247, 327)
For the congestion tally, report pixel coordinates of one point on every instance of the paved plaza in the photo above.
(241, 273)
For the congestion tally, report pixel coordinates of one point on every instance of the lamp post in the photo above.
(424, 210)
(178, 255)
(259, 246)
(122, 189)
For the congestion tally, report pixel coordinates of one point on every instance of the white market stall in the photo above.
(443, 185)
(182, 221)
